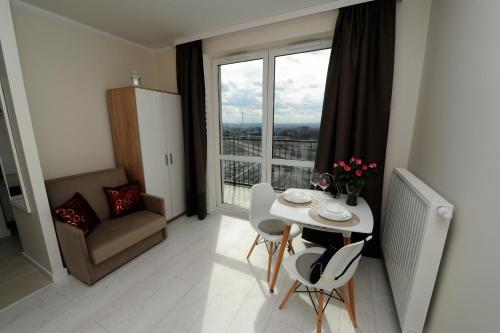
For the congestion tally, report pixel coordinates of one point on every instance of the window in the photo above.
(270, 106)
(241, 108)
(299, 85)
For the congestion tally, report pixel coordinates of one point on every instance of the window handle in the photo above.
(171, 159)
(166, 159)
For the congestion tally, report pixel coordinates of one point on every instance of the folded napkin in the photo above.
(297, 194)
(334, 208)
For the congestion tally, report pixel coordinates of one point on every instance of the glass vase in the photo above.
(352, 194)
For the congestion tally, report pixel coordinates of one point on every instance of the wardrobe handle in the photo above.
(166, 159)
(171, 159)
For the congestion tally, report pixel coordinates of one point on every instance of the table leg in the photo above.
(284, 240)
(350, 284)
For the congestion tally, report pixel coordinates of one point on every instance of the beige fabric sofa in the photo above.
(114, 241)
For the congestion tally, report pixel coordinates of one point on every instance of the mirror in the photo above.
(11, 179)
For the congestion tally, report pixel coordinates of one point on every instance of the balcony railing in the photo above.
(284, 177)
(287, 149)
(238, 173)
(301, 150)
(241, 173)
(246, 174)
(242, 146)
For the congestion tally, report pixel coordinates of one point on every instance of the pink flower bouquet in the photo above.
(353, 175)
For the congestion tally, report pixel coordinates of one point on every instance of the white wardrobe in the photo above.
(148, 141)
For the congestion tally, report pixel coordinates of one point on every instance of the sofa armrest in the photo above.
(74, 251)
(154, 204)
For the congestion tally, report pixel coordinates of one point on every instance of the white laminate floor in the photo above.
(236, 195)
(198, 280)
(18, 276)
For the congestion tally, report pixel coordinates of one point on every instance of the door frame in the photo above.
(218, 132)
(273, 53)
(21, 200)
(267, 161)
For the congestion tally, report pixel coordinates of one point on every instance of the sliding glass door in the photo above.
(270, 107)
(241, 98)
(295, 104)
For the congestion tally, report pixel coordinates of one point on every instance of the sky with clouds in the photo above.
(299, 89)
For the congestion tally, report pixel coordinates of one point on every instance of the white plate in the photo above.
(326, 215)
(297, 196)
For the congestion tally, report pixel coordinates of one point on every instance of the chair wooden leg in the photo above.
(253, 246)
(270, 262)
(348, 306)
(290, 247)
(319, 321)
(352, 301)
(350, 285)
(294, 287)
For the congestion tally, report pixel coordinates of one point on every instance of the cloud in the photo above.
(246, 96)
(298, 93)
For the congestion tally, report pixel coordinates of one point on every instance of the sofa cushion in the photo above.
(124, 199)
(113, 236)
(77, 212)
(89, 185)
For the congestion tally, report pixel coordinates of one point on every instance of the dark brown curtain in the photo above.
(191, 87)
(357, 100)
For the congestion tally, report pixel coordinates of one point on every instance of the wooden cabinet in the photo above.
(146, 126)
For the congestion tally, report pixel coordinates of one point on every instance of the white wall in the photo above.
(304, 28)
(36, 229)
(67, 69)
(455, 150)
(167, 72)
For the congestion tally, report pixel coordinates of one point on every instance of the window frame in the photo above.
(266, 159)
(308, 47)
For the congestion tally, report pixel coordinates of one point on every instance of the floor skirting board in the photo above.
(55, 277)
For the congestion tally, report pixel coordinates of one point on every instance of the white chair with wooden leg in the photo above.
(269, 229)
(336, 274)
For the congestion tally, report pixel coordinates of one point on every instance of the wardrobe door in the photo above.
(175, 148)
(153, 146)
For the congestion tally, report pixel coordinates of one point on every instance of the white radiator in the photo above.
(413, 238)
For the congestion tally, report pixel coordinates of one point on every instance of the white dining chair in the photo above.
(269, 229)
(339, 270)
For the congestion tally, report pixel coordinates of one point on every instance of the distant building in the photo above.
(303, 132)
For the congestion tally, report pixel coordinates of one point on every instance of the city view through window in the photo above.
(298, 90)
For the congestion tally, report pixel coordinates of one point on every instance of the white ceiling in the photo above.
(159, 23)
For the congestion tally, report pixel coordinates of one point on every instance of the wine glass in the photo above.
(315, 178)
(324, 183)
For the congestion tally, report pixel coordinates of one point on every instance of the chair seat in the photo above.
(304, 262)
(278, 231)
(113, 236)
(272, 227)
(298, 265)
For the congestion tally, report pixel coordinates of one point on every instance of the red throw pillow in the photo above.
(78, 212)
(124, 199)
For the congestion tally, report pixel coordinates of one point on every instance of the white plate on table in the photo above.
(334, 211)
(297, 196)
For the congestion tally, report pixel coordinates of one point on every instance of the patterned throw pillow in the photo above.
(124, 199)
(77, 212)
